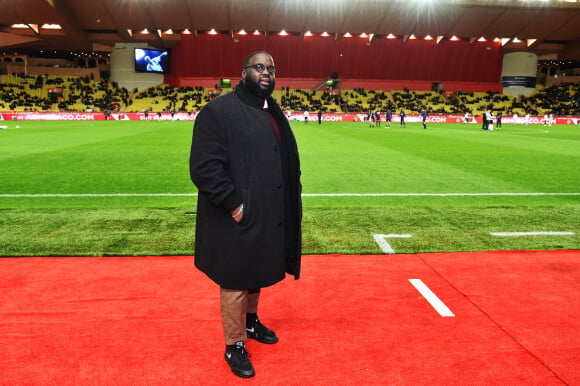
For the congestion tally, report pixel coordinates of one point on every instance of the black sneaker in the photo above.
(256, 330)
(238, 359)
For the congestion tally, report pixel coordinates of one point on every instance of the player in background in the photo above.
(424, 116)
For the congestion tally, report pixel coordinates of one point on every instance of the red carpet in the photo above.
(350, 320)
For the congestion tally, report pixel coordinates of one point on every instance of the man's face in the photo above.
(259, 83)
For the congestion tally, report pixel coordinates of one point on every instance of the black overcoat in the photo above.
(236, 158)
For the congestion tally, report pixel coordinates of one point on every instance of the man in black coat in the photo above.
(244, 161)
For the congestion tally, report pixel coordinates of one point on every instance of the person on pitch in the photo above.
(244, 161)
(389, 117)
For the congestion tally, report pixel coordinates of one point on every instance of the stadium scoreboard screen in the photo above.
(151, 60)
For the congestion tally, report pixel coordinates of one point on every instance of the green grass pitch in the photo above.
(122, 187)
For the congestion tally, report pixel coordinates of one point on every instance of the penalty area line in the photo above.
(381, 240)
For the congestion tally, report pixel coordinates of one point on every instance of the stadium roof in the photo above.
(548, 28)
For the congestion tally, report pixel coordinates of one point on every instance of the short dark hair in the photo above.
(249, 57)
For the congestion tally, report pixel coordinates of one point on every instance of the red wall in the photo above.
(317, 58)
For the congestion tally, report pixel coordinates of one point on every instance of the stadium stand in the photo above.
(20, 92)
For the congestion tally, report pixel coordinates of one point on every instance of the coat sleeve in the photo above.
(209, 160)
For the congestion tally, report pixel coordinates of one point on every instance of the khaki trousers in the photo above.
(234, 304)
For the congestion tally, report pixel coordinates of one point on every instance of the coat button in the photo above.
(279, 186)
(280, 223)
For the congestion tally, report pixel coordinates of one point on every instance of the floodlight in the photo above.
(51, 26)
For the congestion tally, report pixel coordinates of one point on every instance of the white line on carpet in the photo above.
(435, 302)
(516, 234)
(491, 194)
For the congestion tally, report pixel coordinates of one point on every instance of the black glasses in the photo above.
(260, 68)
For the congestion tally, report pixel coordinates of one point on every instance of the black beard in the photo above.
(256, 89)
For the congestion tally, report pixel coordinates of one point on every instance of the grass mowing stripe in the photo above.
(437, 159)
(170, 231)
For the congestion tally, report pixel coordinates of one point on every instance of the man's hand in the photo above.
(238, 213)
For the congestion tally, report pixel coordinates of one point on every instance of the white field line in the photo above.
(517, 234)
(440, 194)
(458, 194)
(381, 240)
(435, 302)
(41, 195)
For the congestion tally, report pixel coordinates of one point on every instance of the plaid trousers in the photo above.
(234, 304)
